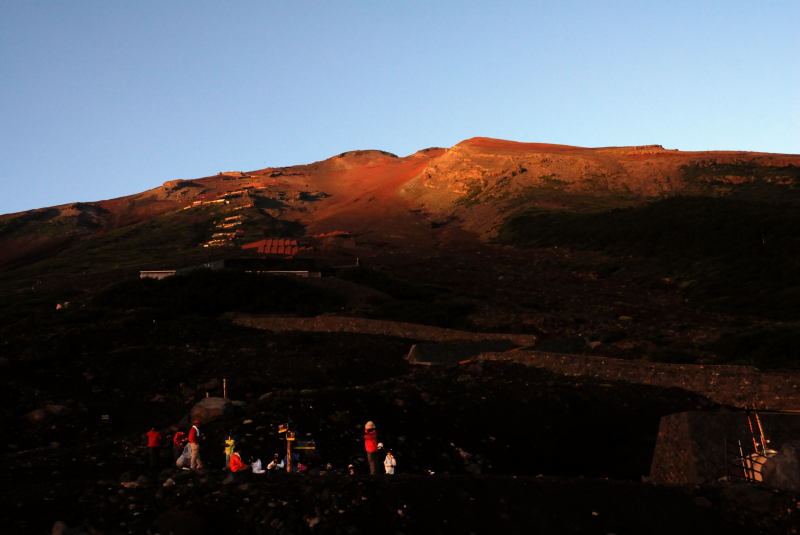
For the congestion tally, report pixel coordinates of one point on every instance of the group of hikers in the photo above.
(186, 453)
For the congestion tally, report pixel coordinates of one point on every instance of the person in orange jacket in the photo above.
(236, 463)
(178, 443)
(154, 440)
(371, 446)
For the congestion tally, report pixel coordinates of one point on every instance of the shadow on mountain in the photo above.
(740, 255)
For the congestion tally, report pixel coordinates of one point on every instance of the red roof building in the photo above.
(286, 247)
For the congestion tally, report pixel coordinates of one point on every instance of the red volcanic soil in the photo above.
(501, 145)
(477, 184)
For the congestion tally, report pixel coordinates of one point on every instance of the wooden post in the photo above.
(225, 388)
(289, 440)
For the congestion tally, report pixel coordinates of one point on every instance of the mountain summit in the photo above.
(470, 189)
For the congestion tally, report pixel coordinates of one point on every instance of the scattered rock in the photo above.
(179, 522)
(36, 416)
(60, 528)
(758, 500)
(211, 384)
(56, 410)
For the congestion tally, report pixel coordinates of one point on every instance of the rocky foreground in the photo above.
(511, 449)
(214, 502)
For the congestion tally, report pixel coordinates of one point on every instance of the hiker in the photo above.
(351, 470)
(389, 463)
(275, 464)
(236, 463)
(328, 469)
(371, 445)
(183, 459)
(154, 440)
(230, 445)
(194, 444)
(255, 464)
(178, 444)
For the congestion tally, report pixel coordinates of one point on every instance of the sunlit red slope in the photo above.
(418, 200)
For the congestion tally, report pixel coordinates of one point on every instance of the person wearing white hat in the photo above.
(389, 462)
(371, 446)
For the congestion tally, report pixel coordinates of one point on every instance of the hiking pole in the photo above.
(761, 431)
(742, 462)
(752, 432)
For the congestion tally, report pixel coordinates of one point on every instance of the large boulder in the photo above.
(209, 409)
(782, 471)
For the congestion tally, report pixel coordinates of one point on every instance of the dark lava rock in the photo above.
(178, 522)
(210, 409)
(782, 471)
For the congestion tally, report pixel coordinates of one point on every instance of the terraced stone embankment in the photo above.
(737, 386)
(341, 324)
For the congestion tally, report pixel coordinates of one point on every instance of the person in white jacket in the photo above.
(255, 464)
(389, 463)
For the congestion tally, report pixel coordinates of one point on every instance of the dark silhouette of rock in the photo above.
(209, 409)
(782, 471)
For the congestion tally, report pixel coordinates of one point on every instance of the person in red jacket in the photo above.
(236, 463)
(154, 441)
(178, 443)
(371, 446)
(194, 444)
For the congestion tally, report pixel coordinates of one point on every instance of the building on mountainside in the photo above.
(298, 267)
(281, 247)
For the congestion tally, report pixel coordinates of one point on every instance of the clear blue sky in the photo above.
(102, 98)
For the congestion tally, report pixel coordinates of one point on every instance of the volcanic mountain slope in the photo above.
(419, 199)
(636, 253)
(591, 231)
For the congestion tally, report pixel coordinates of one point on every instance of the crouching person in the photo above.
(184, 458)
(236, 463)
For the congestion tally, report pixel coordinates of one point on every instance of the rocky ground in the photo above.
(511, 448)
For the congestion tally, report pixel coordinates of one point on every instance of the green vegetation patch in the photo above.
(743, 179)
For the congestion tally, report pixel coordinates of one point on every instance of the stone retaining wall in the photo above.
(341, 324)
(737, 386)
